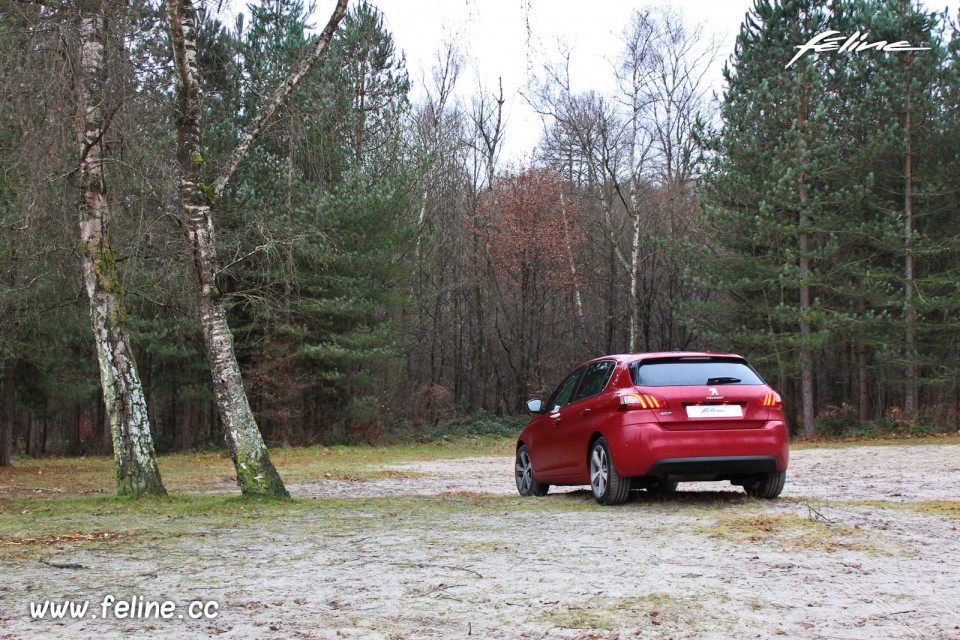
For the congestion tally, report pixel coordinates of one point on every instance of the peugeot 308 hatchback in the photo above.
(652, 420)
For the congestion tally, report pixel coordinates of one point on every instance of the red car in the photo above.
(651, 420)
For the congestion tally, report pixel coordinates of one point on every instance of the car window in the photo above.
(561, 397)
(595, 379)
(692, 371)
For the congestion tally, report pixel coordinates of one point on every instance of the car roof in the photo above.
(631, 357)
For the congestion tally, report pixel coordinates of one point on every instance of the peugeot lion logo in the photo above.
(714, 392)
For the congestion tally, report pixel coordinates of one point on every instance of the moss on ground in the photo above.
(791, 533)
(662, 611)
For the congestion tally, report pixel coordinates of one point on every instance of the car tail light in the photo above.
(771, 400)
(642, 401)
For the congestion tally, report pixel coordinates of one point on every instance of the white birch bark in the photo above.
(134, 456)
(568, 249)
(256, 474)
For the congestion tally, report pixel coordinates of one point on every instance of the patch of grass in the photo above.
(198, 472)
(937, 507)
(311, 464)
(31, 518)
(646, 611)
(949, 508)
(199, 514)
(792, 533)
(933, 439)
(116, 524)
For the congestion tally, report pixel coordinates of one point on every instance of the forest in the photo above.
(254, 234)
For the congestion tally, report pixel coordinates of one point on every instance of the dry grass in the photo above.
(793, 533)
(202, 472)
(945, 438)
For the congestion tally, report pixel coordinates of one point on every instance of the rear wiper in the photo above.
(725, 380)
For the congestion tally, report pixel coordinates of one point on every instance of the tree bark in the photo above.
(256, 474)
(635, 316)
(863, 377)
(6, 413)
(32, 436)
(134, 456)
(568, 249)
(806, 357)
(910, 341)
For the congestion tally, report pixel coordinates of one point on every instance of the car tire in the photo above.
(527, 484)
(607, 486)
(768, 486)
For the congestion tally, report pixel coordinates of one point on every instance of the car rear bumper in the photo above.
(650, 450)
(716, 468)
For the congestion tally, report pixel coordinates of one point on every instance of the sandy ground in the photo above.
(857, 547)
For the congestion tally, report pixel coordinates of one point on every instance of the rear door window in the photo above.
(595, 379)
(692, 371)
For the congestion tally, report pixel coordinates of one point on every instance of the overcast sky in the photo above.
(512, 38)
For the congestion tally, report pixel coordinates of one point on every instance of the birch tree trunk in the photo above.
(126, 407)
(635, 262)
(256, 474)
(568, 249)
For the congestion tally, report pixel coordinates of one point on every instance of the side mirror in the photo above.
(535, 406)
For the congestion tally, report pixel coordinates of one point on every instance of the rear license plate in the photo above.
(714, 411)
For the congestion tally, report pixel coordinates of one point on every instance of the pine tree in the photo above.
(827, 180)
(765, 200)
(318, 323)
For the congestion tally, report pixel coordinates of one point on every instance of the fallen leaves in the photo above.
(81, 537)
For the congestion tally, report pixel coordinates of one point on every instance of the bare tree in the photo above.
(436, 132)
(487, 117)
(636, 152)
(613, 150)
(256, 474)
(134, 456)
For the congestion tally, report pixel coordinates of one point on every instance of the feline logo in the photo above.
(713, 392)
(828, 41)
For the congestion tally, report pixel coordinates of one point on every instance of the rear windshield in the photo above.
(693, 371)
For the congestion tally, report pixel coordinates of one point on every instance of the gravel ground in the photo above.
(863, 544)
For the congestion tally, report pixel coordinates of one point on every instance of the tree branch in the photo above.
(285, 89)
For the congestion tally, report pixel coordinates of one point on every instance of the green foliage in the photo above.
(318, 213)
(842, 423)
(836, 124)
(477, 425)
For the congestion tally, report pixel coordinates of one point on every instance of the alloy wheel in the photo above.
(599, 471)
(524, 472)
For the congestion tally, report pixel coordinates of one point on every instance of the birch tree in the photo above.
(126, 407)
(256, 474)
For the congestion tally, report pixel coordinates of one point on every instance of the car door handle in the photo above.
(585, 412)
